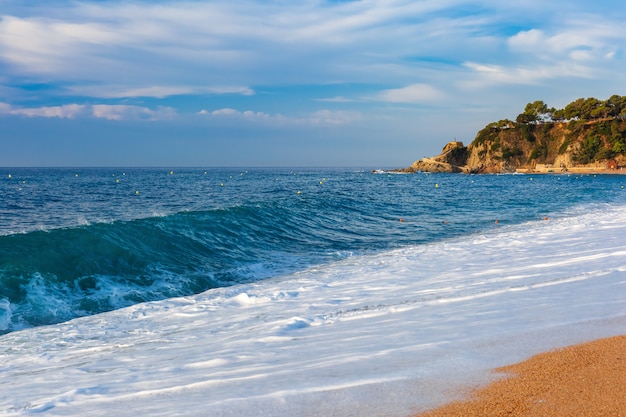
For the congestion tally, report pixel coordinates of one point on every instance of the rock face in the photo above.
(453, 158)
(507, 146)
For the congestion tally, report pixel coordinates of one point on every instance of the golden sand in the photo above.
(584, 380)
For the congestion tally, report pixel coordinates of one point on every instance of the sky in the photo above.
(251, 83)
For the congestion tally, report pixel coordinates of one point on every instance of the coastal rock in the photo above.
(452, 159)
(507, 146)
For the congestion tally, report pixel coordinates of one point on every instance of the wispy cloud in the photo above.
(98, 111)
(320, 117)
(415, 93)
(337, 99)
(125, 112)
(120, 50)
(108, 91)
(248, 114)
(592, 42)
(305, 63)
(491, 75)
(330, 117)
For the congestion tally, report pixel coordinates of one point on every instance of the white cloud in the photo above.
(41, 46)
(99, 111)
(246, 91)
(108, 91)
(578, 39)
(337, 99)
(496, 74)
(528, 41)
(255, 115)
(229, 43)
(433, 48)
(320, 117)
(223, 112)
(415, 93)
(5, 108)
(246, 115)
(125, 112)
(67, 111)
(329, 117)
(581, 55)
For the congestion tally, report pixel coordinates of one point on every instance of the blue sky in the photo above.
(369, 83)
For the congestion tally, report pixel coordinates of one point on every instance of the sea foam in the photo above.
(386, 333)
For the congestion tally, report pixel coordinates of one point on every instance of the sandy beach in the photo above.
(582, 380)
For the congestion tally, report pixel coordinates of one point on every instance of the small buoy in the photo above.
(137, 192)
(436, 185)
(531, 179)
(204, 172)
(117, 181)
(76, 175)
(299, 192)
(171, 172)
(10, 176)
(321, 182)
(222, 184)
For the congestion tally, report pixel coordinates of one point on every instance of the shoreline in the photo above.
(585, 379)
(574, 171)
(520, 171)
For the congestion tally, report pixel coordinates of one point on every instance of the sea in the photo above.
(265, 288)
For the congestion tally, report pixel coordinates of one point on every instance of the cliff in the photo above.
(553, 146)
(453, 158)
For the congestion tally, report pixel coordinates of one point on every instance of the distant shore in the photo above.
(582, 380)
(573, 170)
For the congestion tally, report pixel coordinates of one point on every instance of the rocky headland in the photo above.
(588, 135)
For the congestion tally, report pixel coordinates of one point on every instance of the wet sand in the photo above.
(583, 380)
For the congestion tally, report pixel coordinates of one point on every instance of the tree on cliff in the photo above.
(580, 109)
(534, 112)
(587, 109)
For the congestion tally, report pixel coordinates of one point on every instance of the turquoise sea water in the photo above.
(76, 242)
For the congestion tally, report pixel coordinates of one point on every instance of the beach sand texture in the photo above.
(582, 380)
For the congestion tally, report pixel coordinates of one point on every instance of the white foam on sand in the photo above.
(383, 335)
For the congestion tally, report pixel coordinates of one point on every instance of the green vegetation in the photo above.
(538, 151)
(587, 153)
(527, 132)
(580, 109)
(508, 153)
(599, 122)
(589, 129)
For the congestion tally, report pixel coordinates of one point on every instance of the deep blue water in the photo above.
(76, 242)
